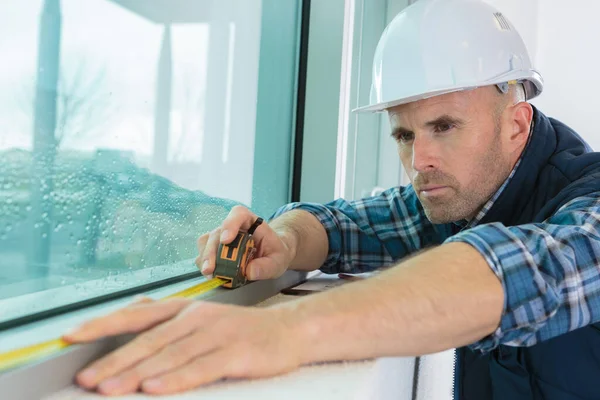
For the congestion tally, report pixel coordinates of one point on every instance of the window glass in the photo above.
(130, 128)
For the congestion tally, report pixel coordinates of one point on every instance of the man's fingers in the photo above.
(205, 369)
(172, 356)
(140, 348)
(226, 362)
(239, 218)
(206, 260)
(131, 319)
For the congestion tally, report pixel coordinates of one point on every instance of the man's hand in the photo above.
(274, 256)
(185, 344)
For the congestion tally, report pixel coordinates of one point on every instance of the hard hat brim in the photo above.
(533, 81)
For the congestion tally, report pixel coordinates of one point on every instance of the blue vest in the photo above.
(557, 166)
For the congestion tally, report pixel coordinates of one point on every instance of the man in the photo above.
(502, 222)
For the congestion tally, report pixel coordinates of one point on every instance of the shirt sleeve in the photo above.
(373, 232)
(550, 273)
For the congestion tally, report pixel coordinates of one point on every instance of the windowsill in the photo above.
(384, 378)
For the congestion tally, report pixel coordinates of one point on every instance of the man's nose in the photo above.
(425, 154)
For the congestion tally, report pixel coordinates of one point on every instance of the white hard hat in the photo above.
(435, 47)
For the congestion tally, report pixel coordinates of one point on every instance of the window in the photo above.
(128, 129)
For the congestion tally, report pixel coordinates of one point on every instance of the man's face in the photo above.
(453, 151)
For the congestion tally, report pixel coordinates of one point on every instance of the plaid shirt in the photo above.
(550, 271)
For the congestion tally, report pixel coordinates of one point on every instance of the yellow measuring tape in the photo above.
(20, 356)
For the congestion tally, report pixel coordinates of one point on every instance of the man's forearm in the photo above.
(305, 236)
(444, 298)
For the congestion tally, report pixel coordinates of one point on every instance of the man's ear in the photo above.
(521, 117)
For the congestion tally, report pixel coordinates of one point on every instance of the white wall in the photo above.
(569, 58)
(562, 38)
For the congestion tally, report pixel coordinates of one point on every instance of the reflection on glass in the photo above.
(127, 130)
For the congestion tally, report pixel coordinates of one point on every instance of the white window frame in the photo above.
(367, 160)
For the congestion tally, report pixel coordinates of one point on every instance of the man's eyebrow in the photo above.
(445, 120)
(441, 120)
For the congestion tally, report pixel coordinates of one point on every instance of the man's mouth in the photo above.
(432, 190)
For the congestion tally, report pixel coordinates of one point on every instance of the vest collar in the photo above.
(509, 206)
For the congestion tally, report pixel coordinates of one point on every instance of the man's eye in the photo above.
(405, 137)
(443, 127)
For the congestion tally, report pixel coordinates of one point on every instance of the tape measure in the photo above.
(23, 355)
(233, 258)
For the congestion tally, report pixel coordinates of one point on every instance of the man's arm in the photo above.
(487, 286)
(550, 273)
(362, 235)
(302, 232)
(443, 298)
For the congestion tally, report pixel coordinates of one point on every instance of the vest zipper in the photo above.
(456, 373)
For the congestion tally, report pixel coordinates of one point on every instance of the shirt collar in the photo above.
(464, 224)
